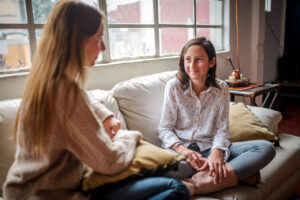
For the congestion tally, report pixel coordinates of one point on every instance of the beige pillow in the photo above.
(268, 117)
(8, 112)
(140, 100)
(244, 125)
(104, 97)
(148, 160)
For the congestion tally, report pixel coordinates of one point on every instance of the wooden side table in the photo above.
(252, 93)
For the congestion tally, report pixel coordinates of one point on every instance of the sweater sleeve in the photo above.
(100, 110)
(86, 138)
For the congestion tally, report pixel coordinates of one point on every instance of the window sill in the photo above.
(14, 73)
(123, 61)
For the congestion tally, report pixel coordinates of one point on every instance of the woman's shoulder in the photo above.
(66, 91)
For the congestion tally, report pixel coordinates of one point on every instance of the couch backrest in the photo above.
(110, 102)
(140, 100)
(8, 111)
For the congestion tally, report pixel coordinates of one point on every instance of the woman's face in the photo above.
(93, 46)
(196, 62)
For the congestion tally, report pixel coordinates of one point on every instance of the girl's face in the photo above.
(196, 62)
(93, 46)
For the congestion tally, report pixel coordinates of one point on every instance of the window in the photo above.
(155, 28)
(133, 28)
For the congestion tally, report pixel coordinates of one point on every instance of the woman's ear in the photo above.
(212, 62)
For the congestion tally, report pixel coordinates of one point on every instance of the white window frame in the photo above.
(157, 26)
(31, 27)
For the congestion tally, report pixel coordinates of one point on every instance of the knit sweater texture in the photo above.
(76, 140)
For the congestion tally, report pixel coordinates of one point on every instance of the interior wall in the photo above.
(272, 49)
(244, 30)
(257, 41)
(107, 75)
(251, 38)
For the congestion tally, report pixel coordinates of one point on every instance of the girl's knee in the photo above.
(268, 148)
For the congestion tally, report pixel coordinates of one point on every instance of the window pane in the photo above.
(99, 58)
(41, 10)
(173, 39)
(176, 11)
(14, 49)
(13, 12)
(214, 35)
(130, 11)
(209, 12)
(131, 42)
(94, 3)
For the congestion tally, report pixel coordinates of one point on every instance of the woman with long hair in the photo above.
(59, 128)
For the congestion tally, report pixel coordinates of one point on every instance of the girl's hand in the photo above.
(112, 125)
(192, 157)
(216, 165)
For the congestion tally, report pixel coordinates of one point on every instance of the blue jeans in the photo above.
(152, 188)
(245, 158)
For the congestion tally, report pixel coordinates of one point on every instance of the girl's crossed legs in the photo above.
(245, 158)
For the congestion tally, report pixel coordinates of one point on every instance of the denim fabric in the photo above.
(152, 188)
(245, 158)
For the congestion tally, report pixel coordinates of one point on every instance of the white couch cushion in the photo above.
(140, 100)
(268, 117)
(110, 102)
(8, 112)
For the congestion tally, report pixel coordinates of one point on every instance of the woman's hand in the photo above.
(192, 157)
(112, 125)
(216, 165)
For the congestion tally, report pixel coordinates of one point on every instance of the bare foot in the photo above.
(252, 180)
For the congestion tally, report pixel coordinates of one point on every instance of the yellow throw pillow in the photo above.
(148, 160)
(244, 125)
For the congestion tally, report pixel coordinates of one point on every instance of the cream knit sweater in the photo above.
(82, 141)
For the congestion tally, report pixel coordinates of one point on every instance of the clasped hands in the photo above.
(214, 163)
(112, 125)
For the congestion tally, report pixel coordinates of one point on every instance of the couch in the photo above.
(137, 103)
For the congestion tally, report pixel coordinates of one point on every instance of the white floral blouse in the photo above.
(187, 118)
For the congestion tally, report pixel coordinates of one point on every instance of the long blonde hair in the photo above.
(59, 57)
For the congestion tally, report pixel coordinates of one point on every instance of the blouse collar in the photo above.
(210, 89)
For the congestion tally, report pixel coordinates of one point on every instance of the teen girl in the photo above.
(194, 123)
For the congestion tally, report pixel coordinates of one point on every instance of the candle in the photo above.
(231, 78)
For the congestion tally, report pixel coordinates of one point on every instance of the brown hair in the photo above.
(59, 58)
(210, 51)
